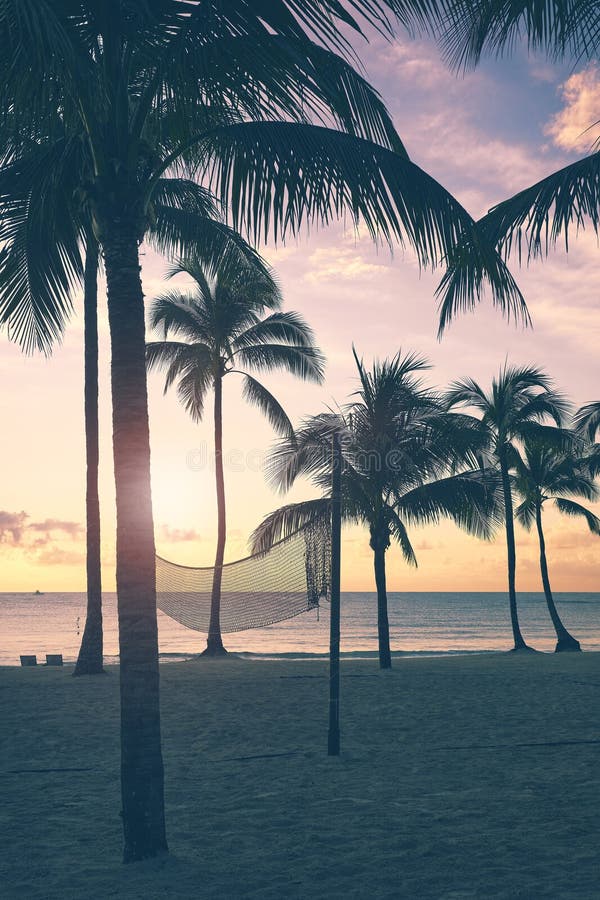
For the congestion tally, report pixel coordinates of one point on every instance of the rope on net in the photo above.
(277, 584)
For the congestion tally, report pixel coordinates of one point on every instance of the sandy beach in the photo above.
(459, 777)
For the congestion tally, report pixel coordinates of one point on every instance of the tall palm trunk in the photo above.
(564, 640)
(90, 658)
(383, 626)
(214, 643)
(512, 555)
(141, 758)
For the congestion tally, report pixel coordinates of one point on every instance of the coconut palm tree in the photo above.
(183, 212)
(542, 474)
(223, 333)
(400, 452)
(265, 107)
(521, 399)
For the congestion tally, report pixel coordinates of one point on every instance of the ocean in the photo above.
(420, 623)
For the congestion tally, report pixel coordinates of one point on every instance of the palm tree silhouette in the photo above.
(400, 451)
(543, 473)
(37, 281)
(223, 334)
(520, 400)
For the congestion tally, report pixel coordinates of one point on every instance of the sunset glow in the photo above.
(481, 136)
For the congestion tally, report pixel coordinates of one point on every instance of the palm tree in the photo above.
(265, 107)
(400, 452)
(520, 400)
(223, 334)
(542, 474)
(183, 212)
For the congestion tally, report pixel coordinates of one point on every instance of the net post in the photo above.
(333, 737)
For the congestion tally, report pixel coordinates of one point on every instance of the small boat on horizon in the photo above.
(38, 593)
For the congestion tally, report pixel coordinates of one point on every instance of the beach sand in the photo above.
(459, 777)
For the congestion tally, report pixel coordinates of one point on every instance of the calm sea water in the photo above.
(431, 623)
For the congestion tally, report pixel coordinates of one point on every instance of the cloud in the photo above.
(177, 535)
(49, 526)
(12, 526)
(41, 541)
(340, 263)
(575, 126)
(56, 556)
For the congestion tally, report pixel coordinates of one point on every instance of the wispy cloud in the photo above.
(49, 527)
(334, 263)
(177, 535)
(575, 126)
(12, 526)
(41, 541)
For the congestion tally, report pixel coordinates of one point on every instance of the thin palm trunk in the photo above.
(142, 778)
(90, 658)
(383, 626)
(214, 644)
(512, 556)
(564, 640)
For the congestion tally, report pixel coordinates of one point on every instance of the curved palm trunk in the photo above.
(214, 643)
(383, 626)
(512, 556)
(141, 757)
(90, 658)
(564, 640)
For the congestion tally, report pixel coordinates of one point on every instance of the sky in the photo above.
(484, 136)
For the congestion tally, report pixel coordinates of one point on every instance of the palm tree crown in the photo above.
(521, 399)
(545, 473)
(222, 331)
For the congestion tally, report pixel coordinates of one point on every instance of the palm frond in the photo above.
(40, 260)
(470, 30)
(178, 314)
(531, 222)
(470, 499)
(288, 519)
(525, 512)
(466, 392)
(192, 388)
(475, 266)
(304, 362)
(571, 508)
(399, 533)
(307, 452)
(179, 359)
(587, 420)
(284, 327)
(278, 176)
(258, 395)
(176, 232)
